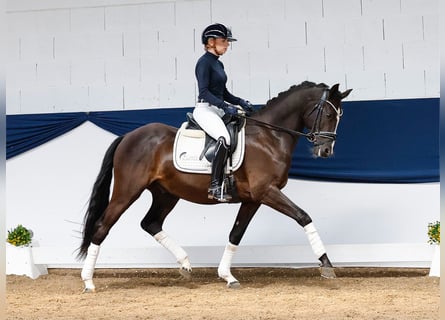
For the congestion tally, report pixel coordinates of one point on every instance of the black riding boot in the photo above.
(216, 190)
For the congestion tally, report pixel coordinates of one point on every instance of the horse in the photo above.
(142, 160)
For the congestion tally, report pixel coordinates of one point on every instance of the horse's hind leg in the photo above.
(114, 210)
(245, 215)
(162, 205)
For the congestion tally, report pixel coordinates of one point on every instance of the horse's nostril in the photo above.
(327, 151)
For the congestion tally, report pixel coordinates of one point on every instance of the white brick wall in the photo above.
(66, 55)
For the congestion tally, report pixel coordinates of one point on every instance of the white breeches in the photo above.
(209, 118)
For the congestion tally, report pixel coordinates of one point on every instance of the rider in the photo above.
(212, 104)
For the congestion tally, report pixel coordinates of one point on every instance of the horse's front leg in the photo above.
(245, 214)
(278, 201)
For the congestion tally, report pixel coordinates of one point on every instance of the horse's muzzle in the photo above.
(323, 149)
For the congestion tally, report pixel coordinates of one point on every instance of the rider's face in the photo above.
(219, 45)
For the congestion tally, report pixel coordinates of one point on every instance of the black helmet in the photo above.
(216, 30)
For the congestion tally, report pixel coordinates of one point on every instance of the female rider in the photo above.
(214, 100)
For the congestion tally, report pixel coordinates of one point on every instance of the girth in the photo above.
(233, 124)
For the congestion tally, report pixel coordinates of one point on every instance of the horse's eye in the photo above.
(328, 115)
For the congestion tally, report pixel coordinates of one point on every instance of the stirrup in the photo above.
(217, 193)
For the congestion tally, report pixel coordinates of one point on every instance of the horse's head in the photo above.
(323, 119)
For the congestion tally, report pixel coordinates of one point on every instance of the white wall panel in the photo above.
(13, 97)
(416, 7)
(266, 64)
(282, 84)
(307, 59)
(193, 14)
(53, 73)
(365, 30)
(20, 23)
(88, 19)
(157, 68)
(13, 47)
(410, 83)
(366, 84)
(329, 78)
(149, 43)
(251, 37)
(87, 72)
(432, 82)
(157, 15)
(144, 95)
(122, 71)
(255, 89)
(37, 99)
(303, 10)
(71, 99)
(339, 9)
(37, 47)
(106, 97)
(315, 40)
(431, 28)
(264, 11)
(403, 28)
(21, 74)
(177, 94)
(52, 21)
(380, 7)
(229, 12)
(344, 58)
(236, 63)
(185, 67)
(131, 44)
(383, 55)
(176, 41)
(325, 31)
(89, 45)
(287, 35)
(421, 55)
(122, 18)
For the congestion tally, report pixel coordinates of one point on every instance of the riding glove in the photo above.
(230, 109)
(247, 106)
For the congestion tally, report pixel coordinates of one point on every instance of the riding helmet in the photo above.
(217, 30)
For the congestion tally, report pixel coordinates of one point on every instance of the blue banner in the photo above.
(392, 141)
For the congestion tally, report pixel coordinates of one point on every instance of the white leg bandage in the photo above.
(176, 250)
(314, 240)
(226, 263)
(89, 265)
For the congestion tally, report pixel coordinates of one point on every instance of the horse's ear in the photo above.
(333, 90)
(346, 93)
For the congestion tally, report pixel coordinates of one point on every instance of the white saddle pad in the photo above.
(188, 147)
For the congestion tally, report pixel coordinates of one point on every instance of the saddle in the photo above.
(233, 125)
(194, 149)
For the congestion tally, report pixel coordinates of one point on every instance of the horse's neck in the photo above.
(287, 113)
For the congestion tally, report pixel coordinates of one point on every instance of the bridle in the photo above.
(315, 132)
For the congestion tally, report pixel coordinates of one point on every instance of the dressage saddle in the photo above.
(233, 124)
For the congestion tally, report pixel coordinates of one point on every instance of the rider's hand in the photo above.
(247, 107)
(231, 109)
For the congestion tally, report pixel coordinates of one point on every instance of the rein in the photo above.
(314, 133)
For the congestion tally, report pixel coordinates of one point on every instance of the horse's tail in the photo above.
(99, 199)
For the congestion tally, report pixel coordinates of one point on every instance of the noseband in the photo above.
(315, 132)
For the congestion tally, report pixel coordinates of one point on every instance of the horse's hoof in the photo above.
(233, 285)
(186, 273)
(327, 272)
(89, 290)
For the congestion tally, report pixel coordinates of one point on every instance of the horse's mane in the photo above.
(293, 88)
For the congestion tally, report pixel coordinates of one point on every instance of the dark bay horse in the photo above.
(142, 159)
